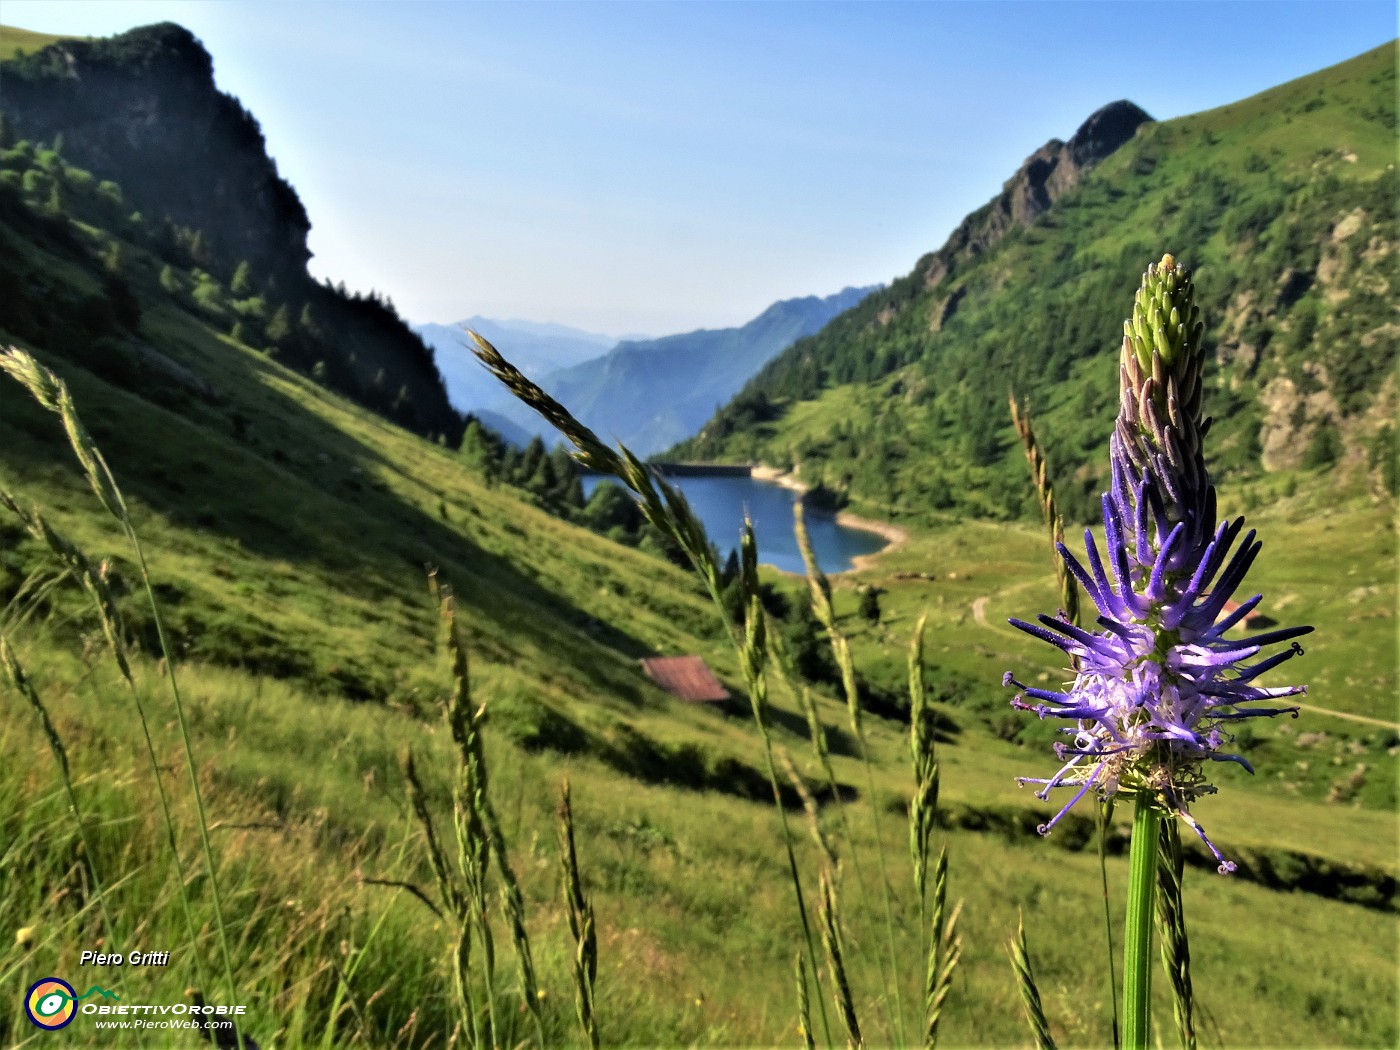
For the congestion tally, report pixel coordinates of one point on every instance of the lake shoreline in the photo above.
(895, 536)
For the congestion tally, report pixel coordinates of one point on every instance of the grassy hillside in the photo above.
(15, 41)
(288, 529)
(1285, 206)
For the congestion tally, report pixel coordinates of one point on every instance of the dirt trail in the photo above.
(1367, 719)
(979, 610)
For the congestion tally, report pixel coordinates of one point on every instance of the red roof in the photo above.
(685, 676)
(1231, 606)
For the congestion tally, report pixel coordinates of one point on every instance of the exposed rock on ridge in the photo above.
(1044, 176)
(142, 109)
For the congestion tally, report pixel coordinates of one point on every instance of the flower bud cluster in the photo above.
(1159, 682)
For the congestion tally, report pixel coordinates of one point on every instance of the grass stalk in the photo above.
(455, 901)
(836, 964)
(923, 806)
(1040, 478)
(93, 580)
(14, 672)
(666, 510)
(804, 1007)
(825, 611)
(469, 787)
(809, 806)
(1171, 926)
(582, 923)
(52, 393)
(944, 946)
(945, 951)
(786, 671)
(1137, 937)
(480, 839)
(1030, 994)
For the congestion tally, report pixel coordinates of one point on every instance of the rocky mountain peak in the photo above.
(1106, 130)
(1043, 177)
(142, 109)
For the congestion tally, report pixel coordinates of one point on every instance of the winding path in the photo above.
(979, 610)
(1367, 719)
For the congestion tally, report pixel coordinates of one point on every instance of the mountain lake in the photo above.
(720, 501)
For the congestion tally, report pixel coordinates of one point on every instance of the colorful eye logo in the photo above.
(51, 1004)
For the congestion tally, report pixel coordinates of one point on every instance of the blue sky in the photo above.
(659, 167)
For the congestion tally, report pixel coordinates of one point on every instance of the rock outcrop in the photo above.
(142, 109)
(1046, 175)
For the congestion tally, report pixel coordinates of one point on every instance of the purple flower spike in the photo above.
(1154, 687)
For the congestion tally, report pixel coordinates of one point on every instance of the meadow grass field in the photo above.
(316, 849)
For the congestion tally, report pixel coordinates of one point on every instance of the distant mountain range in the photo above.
(536, 348)
(652, 393)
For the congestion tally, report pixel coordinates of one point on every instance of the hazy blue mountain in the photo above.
(537, 348)
(507, 428)
(651, 394)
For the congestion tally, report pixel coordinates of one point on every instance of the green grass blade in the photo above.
(1030, 994)
(1171, 927)
(1137, 938)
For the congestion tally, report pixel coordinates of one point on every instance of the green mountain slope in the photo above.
(15, 42)
(1286, 205)
(174, 165)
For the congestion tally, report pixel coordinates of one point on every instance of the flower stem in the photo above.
(1137, 938)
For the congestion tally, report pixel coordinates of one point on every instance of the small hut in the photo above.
(1253, 620)
(687, 677)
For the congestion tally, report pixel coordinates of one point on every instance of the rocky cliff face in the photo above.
(1045, 175)
(142, 109)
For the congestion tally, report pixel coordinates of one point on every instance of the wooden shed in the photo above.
(687, 677)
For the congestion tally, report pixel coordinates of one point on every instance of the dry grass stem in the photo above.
(582, 924)
(1030, 995)
(1040, 478)
(1171, 924)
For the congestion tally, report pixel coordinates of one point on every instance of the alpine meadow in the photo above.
(338, 697)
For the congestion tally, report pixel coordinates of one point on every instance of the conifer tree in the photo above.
(529, 461)
(480, 451)
(279, 329)
(169, 280)
(242, 283)
(307, 323)
(113, 260)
